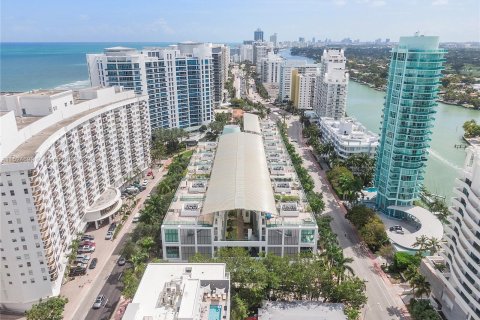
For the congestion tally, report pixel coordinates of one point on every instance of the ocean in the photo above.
(29, 66)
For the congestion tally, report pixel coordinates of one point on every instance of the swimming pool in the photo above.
(371, 189)
(215, 313)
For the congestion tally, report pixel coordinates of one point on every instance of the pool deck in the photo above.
(211, 301)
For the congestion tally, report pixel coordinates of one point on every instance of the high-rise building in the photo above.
(246, 52)
(63, 159)
(331, 85)
(303, 86)
(270, 68)
(221, 60)
(258, 35)
(260, 51)
(178, 80)
(273, 39)
(457, 286)
(408, 115)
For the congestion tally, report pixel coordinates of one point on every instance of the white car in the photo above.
(109, 235)
(145, 182)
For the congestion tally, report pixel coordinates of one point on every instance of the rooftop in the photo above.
(171, 291)
(419, 222)
(251, 123)
(349, 130)
(304, 310)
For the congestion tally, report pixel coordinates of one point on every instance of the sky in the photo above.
(235, 20)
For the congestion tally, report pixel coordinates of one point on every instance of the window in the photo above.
(24, 181)
(32, 280)
(23, 240)
(14, 202)
(173, 252)
(20, 230)
(37, 245)
(25, 191)
(171, 235)
(32, 219)
(19, 221)
(43, 270)
(25, 247)
(12, 192)
(44, 277)
(29, 264)
(308, 236)
(9, 221)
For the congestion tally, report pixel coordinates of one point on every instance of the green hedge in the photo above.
(401, 261)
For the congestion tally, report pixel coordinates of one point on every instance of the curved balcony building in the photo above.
(63, 157)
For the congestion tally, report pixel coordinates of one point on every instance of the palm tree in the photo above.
(422, 243)
(433, 245)
(341, 267)
(146, 244)
(422, 285)
(411, 275)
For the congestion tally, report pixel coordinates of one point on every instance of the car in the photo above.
(86, 249)
(93, 264)
(121, 261)
(145, 182)
(84, 257)
(131, 190)
(136, 217)
(87, 237)
(99, 302)
(77, 271)
(87, 243)
(109, 235)
(141, 188)
(112, 226)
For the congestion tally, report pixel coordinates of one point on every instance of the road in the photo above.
(383, 298)
(112, 290)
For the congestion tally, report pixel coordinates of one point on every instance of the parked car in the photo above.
(136, 217)
(131, 190)
(145, 182)
(86, 249)
(87, 243)
(77, 271)
(109, 235)
(121, 261)
(87, 237)
(112, 226)
(141, 187)
(84, 258)
(93, 264)
(99, 302)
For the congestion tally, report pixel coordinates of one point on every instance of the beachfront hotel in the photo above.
(178, 80)
(240, 192)
(182, 291)
(64, 156)
(456, 288)
(408, 116)
(348, 136)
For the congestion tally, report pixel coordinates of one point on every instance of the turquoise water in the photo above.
(444, 161)
(215, 313)
(371, 189)
(28, 66)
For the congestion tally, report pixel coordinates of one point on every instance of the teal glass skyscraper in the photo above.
(408, 116)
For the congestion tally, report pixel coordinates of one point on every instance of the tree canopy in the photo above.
(50, 309)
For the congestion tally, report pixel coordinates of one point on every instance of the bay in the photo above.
(445, 162)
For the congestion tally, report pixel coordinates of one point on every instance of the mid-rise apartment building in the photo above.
(286, 90)
(241, 192)
(270, 68)
(456, 287)
(408, 115)
(260, 51)
(303, 81)
(64, 156)
(348, 136)
(181, 291)
(331, 85)
(246, 52)
(178, 80)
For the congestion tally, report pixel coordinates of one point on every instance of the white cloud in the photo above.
(339, 2)
(160, 25)
(439, 2)
(372, 3)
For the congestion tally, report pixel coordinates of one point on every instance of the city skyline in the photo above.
(187, 20)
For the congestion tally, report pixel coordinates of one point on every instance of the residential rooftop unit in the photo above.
(182, 291)
(348, 136)
(240, 192)
(64, 155)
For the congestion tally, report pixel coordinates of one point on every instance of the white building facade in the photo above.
(178, 80)
(457, 287)
(306, 90)
(270, 68)
(246, 52)
(285, 80)
(331, 85)
(348, 136)
(260, 51)
(61, 153)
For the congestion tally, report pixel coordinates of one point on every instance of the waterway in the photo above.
(444, 161)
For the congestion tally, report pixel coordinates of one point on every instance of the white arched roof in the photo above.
(240, 178)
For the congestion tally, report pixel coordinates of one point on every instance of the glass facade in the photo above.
(408, 116)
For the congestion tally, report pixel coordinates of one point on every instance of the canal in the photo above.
(445, 161)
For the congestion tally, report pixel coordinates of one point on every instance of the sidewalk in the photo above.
(85, 288)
